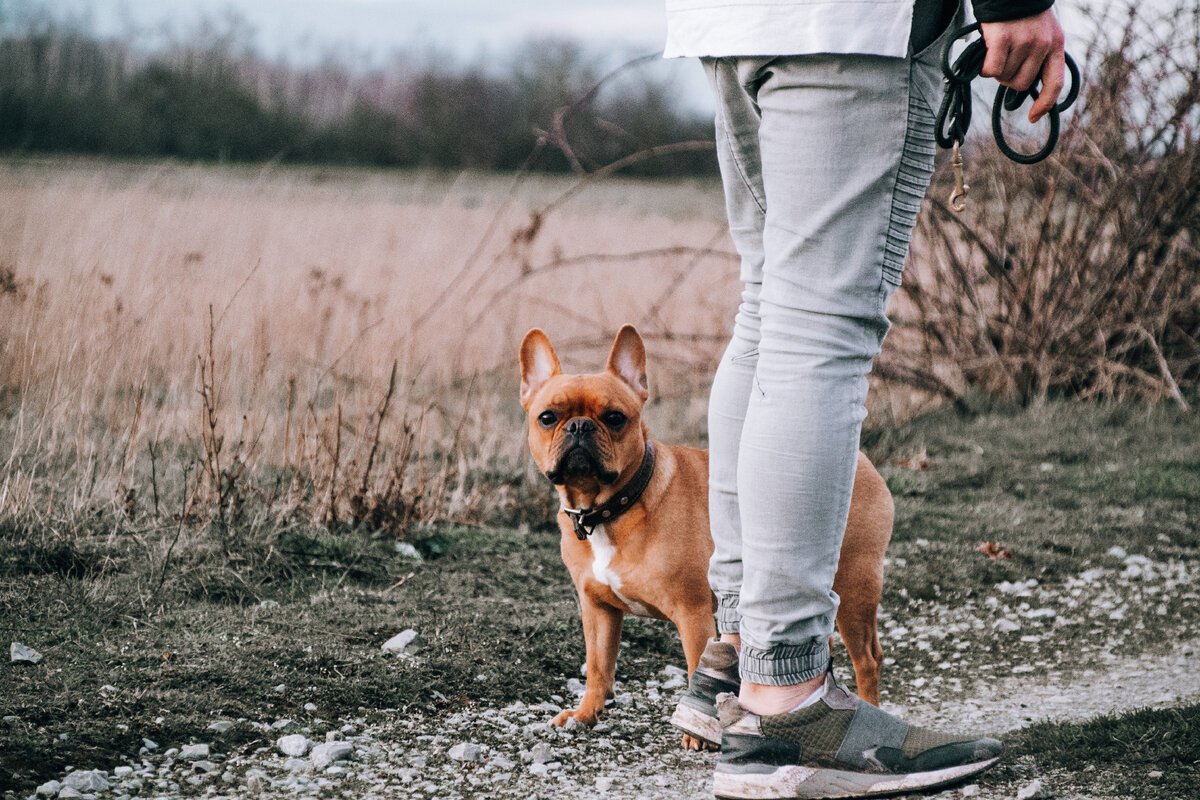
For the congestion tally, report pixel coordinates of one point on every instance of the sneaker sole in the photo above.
(696, 723)
(811, 783)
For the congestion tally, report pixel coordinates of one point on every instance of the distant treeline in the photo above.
(63, 90)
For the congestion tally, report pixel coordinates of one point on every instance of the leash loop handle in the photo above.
(954, 115)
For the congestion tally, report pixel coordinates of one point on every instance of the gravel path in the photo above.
(512, 752)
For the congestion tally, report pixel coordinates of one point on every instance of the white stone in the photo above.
(1005, 625)
(86, 781)
(403, 643)
(575, 686)
(406, 550)
(325, 754)
(297, 765)
(220, 726)
(295, 745)
(310, 707)
(542, 753)
(604, 783)
(68, 793)
(970, 790)
(1115, 552)
(194, 752)
(149, 744)
(1030, 791)
(49, 789)
(123, 771)
(465, 751)
(1040, 613)
(23, 654)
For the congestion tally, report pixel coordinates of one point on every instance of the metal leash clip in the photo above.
(954, 116)
(958, 197)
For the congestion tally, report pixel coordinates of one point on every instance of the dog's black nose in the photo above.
(580, 426)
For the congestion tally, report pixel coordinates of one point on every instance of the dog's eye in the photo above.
(614, 419)
(547, 418)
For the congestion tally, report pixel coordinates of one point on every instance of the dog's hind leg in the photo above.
(857, 627)
(696, 627)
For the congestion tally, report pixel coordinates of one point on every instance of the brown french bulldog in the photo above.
(634, 517)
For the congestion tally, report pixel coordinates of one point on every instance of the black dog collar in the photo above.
(585, 520)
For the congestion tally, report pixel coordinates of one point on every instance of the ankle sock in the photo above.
(811, 699)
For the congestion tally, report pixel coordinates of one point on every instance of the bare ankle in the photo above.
(734, 639)
(761, 699)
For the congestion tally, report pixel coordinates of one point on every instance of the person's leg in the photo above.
(847, 151)
(737, 130)
(842, 180)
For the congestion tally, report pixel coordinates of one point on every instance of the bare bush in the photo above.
(1080, 277)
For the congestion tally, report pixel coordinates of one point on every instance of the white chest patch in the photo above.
(603, 553)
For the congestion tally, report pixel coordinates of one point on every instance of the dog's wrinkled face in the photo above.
(585, 430)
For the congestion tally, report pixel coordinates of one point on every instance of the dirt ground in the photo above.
(1096, 611)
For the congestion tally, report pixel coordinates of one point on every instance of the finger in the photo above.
(1052, 85)
(1018, 61)
(997, 55)
(1027, 74)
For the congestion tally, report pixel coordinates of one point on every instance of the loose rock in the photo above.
(49, 789)
(23, 654)
(1030, 791)
(86, 781)
(403, 643)
(325, 754)
(465, 751)
(194, 752)
(294, 745)
(542, 753)
(406, 550)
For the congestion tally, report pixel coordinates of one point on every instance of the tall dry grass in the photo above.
(331, 346)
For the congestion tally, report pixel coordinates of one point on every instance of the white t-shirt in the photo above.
(787, 27)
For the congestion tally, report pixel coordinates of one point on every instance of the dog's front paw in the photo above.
(584, 715)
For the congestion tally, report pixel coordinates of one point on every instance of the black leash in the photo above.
(954, 117)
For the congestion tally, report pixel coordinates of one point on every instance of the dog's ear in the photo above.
(539, 363)
(628, 360)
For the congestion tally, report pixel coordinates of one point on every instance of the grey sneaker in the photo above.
(841, 746)
(717, 672)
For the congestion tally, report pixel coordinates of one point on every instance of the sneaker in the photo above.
(840, 746)
(717, 673)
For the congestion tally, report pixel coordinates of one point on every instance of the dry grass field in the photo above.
(256, 315)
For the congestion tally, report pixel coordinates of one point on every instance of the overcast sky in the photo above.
(465, 26)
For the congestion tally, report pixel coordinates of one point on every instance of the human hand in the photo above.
(1021, 50)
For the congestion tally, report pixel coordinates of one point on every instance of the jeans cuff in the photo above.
(728, 619)
(785, 665)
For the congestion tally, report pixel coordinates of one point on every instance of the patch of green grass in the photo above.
(1117, 754)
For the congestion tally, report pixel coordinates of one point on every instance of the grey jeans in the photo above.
(825, 160)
